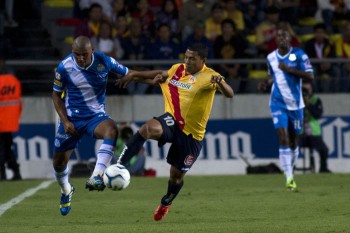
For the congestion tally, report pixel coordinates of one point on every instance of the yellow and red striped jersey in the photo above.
(189, 98)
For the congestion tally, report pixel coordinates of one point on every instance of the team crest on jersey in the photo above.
(292, 57)
(189, 160)
(58, 76)
(101, 67)
(192, 79)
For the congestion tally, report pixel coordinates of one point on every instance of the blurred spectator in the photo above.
(266, 30)
(325, 13)
(144, 13)
(251, 19)
(191, 12)
(136, 165)
(164, 47)
(231, 45)
(106, 43)
(11, 108)
(122, 26)
(198, 36)
(307, 9)
(294, 42)
(312, 132)
(170, 15)
(321, 47)
(135, 45)
(288, 9)
(9, 20)
(118, 8)
(343, 51)
(213, 22)
(89, 26)
(85, 5)
(341, 14)
(235, 14)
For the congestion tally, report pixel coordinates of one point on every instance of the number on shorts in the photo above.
(169, 121)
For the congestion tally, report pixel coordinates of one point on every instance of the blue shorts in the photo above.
(184, 150)
(292, 120)
(64, 142)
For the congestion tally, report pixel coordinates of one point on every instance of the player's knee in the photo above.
(149, 130)
(111, 132)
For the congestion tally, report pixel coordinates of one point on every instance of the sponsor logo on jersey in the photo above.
(189, 160)
(180, 84)
(192, 79)
(101, 67)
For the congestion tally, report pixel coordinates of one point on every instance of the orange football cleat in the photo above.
(160, 212)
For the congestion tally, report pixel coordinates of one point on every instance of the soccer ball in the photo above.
(116, 177)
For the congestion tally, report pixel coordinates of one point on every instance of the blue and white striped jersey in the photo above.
(286, 92)
(85, 88)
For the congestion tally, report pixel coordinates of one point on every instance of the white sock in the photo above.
(285, 156)
(62, 179)
(295, 156)
(104, 157)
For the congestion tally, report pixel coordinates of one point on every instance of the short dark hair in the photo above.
(200, 48)
(229, 21)
(272, 10)
(126, 133)
(320, 26)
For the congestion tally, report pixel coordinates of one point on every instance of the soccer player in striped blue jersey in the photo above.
(82, 76)
(287, 68)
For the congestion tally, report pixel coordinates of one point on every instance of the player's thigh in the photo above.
(279, 118)
(295, 121)
(152, 129)
(184, 151)
(168, 128)
(63, 141)
(106, 129)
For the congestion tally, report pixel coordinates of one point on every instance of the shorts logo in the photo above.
(57, 143)
(189, 160)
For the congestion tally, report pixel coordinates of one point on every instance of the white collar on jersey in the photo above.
(85, 68)
(287, 54)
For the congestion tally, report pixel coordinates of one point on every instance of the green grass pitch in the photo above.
(241, 203)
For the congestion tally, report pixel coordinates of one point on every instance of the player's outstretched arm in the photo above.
(224, 88)
(138, 76)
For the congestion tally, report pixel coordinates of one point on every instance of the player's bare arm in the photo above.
(265, 83)
(224, 88)
(302, 74)
(137, 76)
(62, 113)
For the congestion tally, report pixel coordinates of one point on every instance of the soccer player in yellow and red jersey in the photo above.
(188, 89)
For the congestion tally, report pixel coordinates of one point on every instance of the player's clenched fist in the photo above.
(217, 78)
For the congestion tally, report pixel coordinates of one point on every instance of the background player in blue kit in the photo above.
(83, 75)
(287, 67)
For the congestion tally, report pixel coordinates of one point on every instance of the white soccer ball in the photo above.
(116, 177)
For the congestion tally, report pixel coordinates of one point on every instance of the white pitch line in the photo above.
(23, 196)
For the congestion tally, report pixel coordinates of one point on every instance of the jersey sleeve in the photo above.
(304, 62)
(116, 67)
(59, 82)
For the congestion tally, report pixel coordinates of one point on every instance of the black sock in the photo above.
(132, 147)
(173, 190)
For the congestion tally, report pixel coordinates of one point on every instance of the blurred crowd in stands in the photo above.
(232, 29)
